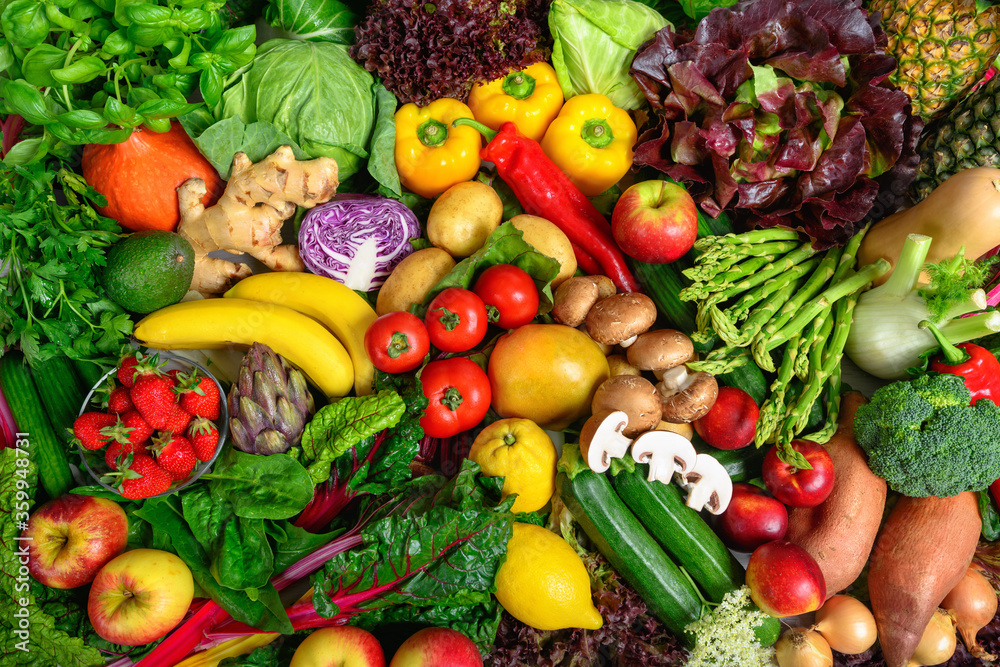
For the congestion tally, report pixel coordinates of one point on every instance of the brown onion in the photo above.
(938, 642)
(846, 624)
(802, 647)
(974, 603)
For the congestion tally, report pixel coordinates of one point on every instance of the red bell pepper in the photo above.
(973, 363)
(546, 191)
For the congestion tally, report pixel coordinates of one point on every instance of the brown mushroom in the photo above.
(686, 396)
(576, 296)
(619, 318)
(635, 396)
(660, 350)
(618, 365)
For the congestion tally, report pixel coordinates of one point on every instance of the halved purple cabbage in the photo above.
(781, 112)
(357, 239)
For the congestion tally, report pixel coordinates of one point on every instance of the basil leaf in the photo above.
(211, 84)
(83, 119)
(117, 44)
(25, 100)
(118, 113)
(83, 70)
(138, 96)
(157, 124)
(156, 109)
(148, 15)
(37, 66)
(193, 20)
(234, 41)
(149, 35)
(26, 151)
(6, 55)
(25, 24)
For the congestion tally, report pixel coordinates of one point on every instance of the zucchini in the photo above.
(681, 531)
(748, 377)
(59, 388)
(742, 464)
(620, 537)
(44, 447)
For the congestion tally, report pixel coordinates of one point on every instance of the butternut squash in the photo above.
(963, 211)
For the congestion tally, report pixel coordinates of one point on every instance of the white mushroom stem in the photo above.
(708, 485)
(628, 341)
(667, 453)
(601, 439)
(674, 380)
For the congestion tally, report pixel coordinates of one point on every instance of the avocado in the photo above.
(148, 270)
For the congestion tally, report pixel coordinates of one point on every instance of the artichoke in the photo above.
(269, 404)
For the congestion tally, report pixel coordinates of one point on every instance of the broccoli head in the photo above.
(924, 439)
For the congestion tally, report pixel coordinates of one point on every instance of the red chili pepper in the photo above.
(974, 363)
(546, 191)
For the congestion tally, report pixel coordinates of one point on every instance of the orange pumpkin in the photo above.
(140, 176)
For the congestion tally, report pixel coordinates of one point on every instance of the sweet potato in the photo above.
(922, 552)
(840, 531)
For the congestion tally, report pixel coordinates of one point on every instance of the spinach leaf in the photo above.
(991, 520)
(382, 149)
(339, 426)
(264, 611)
(292, 544)
(220, 141)
(478, 622)
(261, 487)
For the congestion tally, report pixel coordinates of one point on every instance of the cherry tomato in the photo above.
(456, 320)
(397, 342)
(510, 295)
(458, 395)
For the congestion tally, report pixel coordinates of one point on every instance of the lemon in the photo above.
(544, 584)
(523, 454)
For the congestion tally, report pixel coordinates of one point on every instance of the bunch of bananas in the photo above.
(316, 323)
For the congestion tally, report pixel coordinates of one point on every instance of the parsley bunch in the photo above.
(53, 301)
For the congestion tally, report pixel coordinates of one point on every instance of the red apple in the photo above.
(339, 646)
(799, 487)
(731, 421)
(753, 518)
(655, 222)
(785, 580)
(140, 596)
(437, 647)
(71, 537)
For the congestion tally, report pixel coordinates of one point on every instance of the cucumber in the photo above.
(742, 464)
(60, 390)
(748, 377)
(681, 531)
(90, 373)
(662, 282)
(668, 593)
(44, 447)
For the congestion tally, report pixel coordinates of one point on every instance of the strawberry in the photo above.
(129, 428)
(117, 449)
(127, 369)
(177, 420)
(119, 401)
(153, 396)
(199, 395)
(89, 427)
(174, 454)
(204, 438)
(139, 477)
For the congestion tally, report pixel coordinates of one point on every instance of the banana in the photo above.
(335, 305)
(220, 323)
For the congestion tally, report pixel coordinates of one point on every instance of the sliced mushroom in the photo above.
(660, 350)
(666, 453)
(686, 396)
(601, 439)
(619, 365)
(576, 296)
(619, 318)
(632, 394)
(708, 485)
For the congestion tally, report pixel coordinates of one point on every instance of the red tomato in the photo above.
(458, 395)
(456, 320)
(510, 295)
(397, 342)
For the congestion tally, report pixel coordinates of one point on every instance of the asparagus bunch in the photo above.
(768, 292)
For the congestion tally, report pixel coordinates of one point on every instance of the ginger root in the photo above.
(248, 217)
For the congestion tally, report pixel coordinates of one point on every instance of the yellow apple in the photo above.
(339, 646)
(140, 596)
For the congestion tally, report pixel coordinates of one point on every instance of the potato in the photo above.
(412, 278)
(463, 217)
(548, 239)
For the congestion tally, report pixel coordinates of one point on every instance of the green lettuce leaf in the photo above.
(339, 426)
(28, 634)
(313, 20)
(221, 141)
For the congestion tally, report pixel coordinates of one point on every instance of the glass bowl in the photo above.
(93, 460)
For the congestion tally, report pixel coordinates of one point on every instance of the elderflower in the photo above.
(725, 636)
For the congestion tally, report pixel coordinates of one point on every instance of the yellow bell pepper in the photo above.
(591, 140)
(529, 98)
(431, 155)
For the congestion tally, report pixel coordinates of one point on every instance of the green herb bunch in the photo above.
(91, 71)
(51, 298)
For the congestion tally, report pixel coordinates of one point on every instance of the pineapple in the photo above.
(943, 47)
(967, 137)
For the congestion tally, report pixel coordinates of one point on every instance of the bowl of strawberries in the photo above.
(152, 425)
